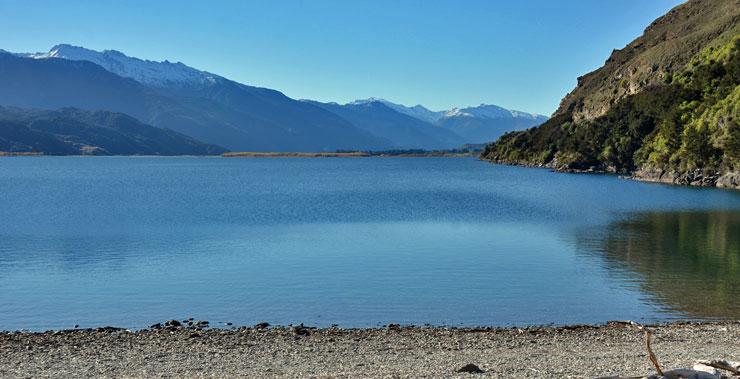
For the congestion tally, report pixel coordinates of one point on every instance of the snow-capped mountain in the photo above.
(217, 110)
(423, 113)
(196, 103)
(494, 111)
(404, 131)
(482, 123)
(160, 74)
(483, 110)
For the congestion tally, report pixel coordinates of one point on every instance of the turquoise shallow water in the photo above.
(130, 241)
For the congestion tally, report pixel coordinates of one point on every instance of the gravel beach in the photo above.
(391, 352)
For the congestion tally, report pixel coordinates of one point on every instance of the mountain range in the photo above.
(478, 124)
(238, 117)
(215, 110)
(402, 130)
(664, 108)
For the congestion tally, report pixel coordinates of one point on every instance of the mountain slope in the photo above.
(666, 46)
(405, 132)
(664, 108)
(214, 109)
(72, 131)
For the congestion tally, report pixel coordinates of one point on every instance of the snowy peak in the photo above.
(368, 100)
(493, 112)
(479, 124)
(487, 111)
(456, 112)
(161, 74)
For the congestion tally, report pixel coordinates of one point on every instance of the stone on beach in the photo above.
(471, 369)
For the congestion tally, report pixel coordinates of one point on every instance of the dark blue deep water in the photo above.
(129, 241)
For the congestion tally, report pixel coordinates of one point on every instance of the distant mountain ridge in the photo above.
(479, 124)
(423, 113)
(404, 131)
(418, 111)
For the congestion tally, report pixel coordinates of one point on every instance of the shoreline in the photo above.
(695, 178)
(614, 348)
(358, 154)
(249, 154)
(197, 324)
(256, 155)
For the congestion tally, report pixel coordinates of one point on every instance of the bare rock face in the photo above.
(729, 180)
(700, 178)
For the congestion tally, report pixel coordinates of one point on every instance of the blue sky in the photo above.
(519, 54)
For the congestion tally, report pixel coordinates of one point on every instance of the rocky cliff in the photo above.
(665, 108)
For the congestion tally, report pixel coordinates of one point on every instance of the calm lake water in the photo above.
(355, 242)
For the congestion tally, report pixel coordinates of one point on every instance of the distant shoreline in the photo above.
(616, 348)
(343, 155)
(20, 154)
(262, 155)
(254, 154)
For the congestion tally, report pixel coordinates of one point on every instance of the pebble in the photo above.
(174, 323)
(471, 369)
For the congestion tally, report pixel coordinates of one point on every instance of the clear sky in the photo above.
(520, 54)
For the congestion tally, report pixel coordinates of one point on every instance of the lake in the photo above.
(358, 242)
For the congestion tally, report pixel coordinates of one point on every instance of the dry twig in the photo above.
(651, 355)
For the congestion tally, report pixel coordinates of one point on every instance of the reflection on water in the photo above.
(689, 261)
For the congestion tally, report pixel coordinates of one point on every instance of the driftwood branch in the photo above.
(703, 369)
(651, 355)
